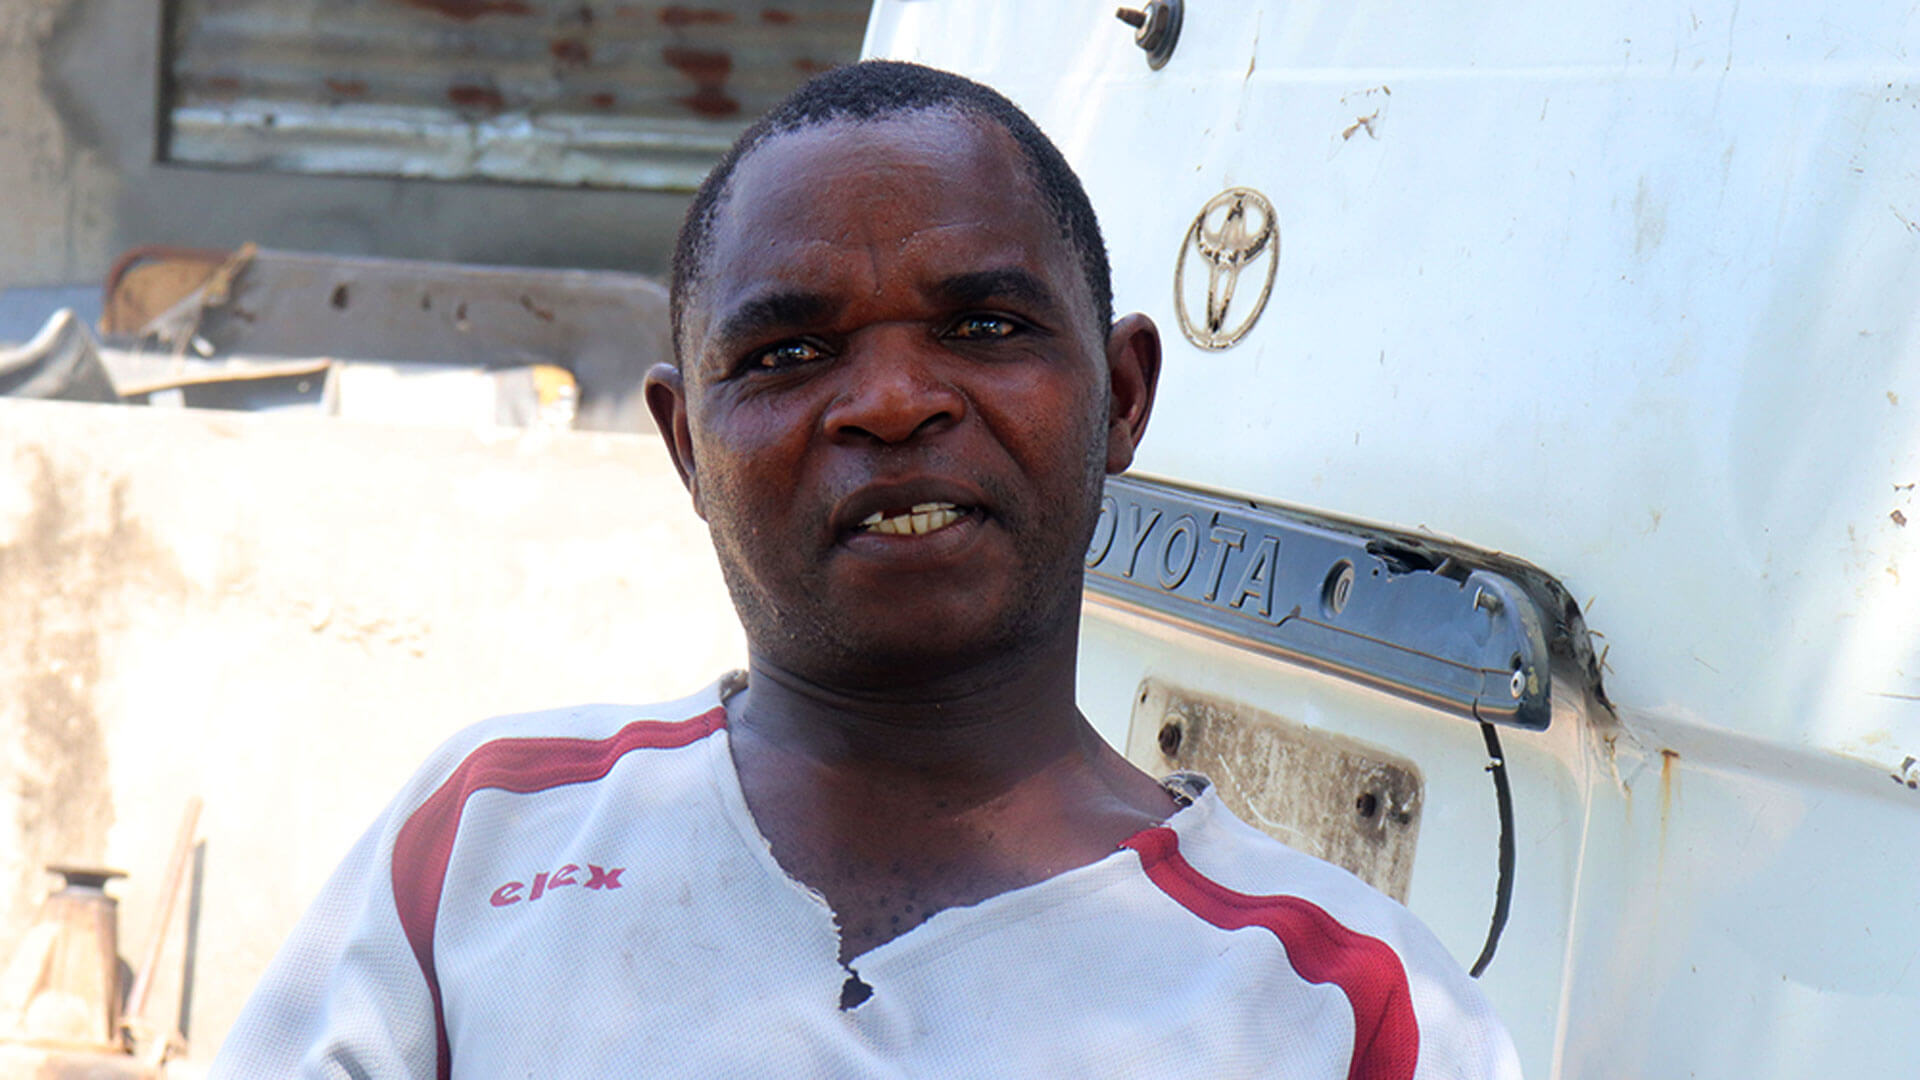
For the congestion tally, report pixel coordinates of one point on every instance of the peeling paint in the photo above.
(1909, 773)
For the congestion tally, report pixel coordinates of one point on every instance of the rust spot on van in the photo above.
(811, 67)
(1364, 123)
(1667, 758)
(347, 87)
(776, 17)
(602, 100)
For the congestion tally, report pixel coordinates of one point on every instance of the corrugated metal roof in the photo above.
(544, 91)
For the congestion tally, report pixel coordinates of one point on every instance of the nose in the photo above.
(898, 387)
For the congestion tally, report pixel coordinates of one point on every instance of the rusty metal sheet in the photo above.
(147, 280)
(1353, 804)
(541, 91)
(603, 329)
(60, 364)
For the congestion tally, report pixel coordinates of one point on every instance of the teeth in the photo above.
(921, 519)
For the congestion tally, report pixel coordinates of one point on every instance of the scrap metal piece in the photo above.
(623, 95)
(61, 363)
(603, 329)
(145, 281)
(154, 1037)
(61, 988)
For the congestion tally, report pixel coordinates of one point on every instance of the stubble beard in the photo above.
(811, 638)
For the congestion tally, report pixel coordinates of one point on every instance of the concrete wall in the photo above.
(283, 615)
(79, 182)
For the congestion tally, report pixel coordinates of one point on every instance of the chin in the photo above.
(926, 643)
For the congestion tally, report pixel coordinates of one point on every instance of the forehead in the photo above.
(850, 205)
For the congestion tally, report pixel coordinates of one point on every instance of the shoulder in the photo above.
(1208, 843)
(1420, 1013)
(535, 750)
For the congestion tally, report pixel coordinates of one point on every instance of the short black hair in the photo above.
(875, 90)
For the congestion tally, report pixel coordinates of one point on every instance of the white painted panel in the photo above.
(1626, 291)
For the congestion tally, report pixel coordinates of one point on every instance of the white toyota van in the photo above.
(1528, 521)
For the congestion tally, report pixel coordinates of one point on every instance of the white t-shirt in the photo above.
(583, 893)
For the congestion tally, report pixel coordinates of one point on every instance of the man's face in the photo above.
(895, 406)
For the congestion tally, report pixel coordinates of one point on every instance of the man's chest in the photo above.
(648, 985)
(572, 945)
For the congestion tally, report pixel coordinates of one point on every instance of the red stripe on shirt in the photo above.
(425, 842)
(1386, 1037)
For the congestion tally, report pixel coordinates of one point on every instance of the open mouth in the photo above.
(917, 520)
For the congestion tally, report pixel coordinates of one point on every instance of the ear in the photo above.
(666, 394)
(1133, 370)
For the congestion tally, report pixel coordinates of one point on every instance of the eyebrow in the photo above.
(1005, 283)
(792, 308)
(774, 311)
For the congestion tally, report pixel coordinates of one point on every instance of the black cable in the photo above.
(1503, 893)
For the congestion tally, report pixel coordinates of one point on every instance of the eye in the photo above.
(982, 328)
(786, 354)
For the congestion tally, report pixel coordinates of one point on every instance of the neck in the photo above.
(992, 724)
(895, 801)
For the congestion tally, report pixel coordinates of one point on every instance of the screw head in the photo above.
(1338, 588)
(1171, 735)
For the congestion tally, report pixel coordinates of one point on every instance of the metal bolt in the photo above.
(1518, 684)
(1339, 587)
(1170, 736)
(1156, 27)
(1487, 601)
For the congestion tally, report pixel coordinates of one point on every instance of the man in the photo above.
(895, 848)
